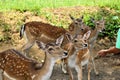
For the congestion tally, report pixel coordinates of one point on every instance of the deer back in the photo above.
(16, 65)
(42, 31)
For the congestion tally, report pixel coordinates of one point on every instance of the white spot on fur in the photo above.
(33, 76)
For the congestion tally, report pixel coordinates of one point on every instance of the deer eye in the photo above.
(82, 29)
(50, 49)
(80, 20)
(75, 40)
(76, 23)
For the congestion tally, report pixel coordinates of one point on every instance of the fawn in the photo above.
(99, 26)
(45, 32)
(18, 67)
(78, 54)
(76, 26)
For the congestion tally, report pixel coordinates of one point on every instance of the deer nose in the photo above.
(85, 45)
(82, 29)
(65, 53)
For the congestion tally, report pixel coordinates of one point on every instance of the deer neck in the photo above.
(72, 57)
(93, 35)
(45, 72)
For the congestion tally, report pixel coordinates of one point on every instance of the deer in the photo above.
(78, 54)
(99, 26)
(17, 66)
(38, 31)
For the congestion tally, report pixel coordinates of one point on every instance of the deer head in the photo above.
(79, 41)
(99, 24)
(54, 49)
(77, 24)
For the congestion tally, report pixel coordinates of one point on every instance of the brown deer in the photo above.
(45, 32)
(78, 54)
(18, 67)
(77, 25)
(99, 26)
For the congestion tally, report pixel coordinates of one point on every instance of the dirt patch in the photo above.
(108, 67)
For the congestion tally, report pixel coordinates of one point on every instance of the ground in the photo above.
(108, 66)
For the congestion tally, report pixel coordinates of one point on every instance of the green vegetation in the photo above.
(112, 21)
(34, 5)
(37, 7)
(5, 28)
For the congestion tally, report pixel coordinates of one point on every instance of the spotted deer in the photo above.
(16, 66)
(78, 54)
(45, 32)
(99, 26)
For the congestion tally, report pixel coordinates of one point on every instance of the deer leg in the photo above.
(2, 75)
(89, 70)
(70, 72)
(78, 69)
(94, 66)
(63, 66)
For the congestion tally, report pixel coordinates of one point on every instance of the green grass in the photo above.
(36, 5)
(33, 5)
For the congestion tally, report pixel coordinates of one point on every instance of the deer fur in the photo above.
(78, 55)
(99, 26)
(46, 32)
(18, 67)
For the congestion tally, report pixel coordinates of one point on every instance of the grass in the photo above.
(33, 5)
(36, 6)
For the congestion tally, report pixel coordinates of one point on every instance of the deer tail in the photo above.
(22, 31)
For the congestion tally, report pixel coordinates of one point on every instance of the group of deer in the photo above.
(72, 46)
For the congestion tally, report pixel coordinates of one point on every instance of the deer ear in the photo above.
(86, 35)
(92, 19)
(71, 17)
(71, 28)
(41, 45)
(82, 17)
(69, 37)
(59, 40)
